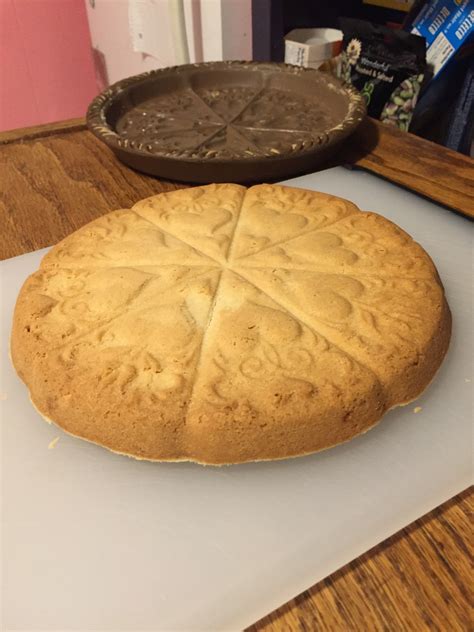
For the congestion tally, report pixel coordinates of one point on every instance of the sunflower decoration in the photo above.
(353, 51)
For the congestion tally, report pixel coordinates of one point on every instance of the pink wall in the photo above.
(46, 67)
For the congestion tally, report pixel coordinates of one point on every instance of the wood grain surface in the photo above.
(52, 184)
(55, 178)
(417, 580)
(417, 164)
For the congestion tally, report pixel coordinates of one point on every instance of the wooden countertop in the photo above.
(55, 178)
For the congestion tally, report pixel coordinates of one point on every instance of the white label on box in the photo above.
(296, 54)
(439, 52)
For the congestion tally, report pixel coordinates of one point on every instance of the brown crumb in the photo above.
(52, 444)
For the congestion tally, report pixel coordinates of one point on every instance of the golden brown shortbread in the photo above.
(221, 324)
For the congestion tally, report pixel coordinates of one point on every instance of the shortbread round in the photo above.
(221, 324)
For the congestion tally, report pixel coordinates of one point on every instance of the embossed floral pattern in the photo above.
(222, 302)
(226, 123)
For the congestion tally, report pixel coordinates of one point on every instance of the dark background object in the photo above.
(445, 111)
(273, 19)
(460, 130)
(268, 30)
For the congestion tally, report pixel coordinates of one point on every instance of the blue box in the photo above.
(446, 25)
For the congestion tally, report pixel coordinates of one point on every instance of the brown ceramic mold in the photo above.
(226, 121)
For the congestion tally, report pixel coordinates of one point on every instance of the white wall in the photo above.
(211, 24)
(237, 29)
(110, 34)
(133, 36)
(226, 29)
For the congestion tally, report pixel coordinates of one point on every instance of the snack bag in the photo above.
(386, 66)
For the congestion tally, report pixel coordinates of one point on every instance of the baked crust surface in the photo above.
(221, 324)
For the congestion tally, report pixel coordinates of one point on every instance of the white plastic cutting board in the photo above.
(96, 541)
